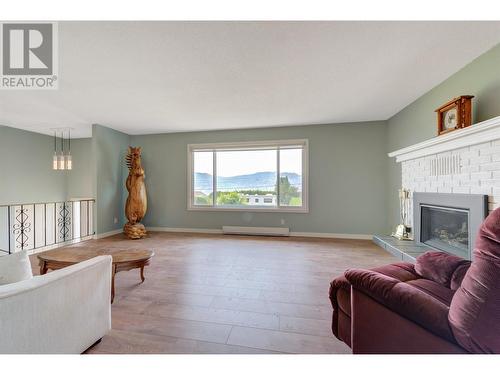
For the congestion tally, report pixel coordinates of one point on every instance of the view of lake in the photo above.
(265, 181)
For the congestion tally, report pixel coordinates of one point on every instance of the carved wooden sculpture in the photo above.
(137, 203)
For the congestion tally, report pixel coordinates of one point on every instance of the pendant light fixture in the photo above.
(60, 163)
(69, 162)
(62, 160)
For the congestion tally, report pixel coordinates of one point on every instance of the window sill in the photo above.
(300, 210)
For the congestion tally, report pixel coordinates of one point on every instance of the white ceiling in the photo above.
(153, 77)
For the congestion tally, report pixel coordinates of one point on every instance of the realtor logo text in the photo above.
(28, 56)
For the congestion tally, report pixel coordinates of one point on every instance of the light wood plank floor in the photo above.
(230, 294)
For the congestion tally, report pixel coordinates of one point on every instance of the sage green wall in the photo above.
(109, 148)
(346, 179)
(80, 180)
(26, 172)
(28, 176)
(99, 171)
(417, 122)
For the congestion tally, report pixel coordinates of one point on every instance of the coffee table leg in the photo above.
(142, 274)
(113, 273)
(43, 267)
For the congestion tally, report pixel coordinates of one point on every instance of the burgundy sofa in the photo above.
(441, 304)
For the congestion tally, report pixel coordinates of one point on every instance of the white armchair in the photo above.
(64, 311)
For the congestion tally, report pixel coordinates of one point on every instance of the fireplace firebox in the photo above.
(445, 229)
(449, 222)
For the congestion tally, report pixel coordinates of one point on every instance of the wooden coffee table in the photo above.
(123, 260)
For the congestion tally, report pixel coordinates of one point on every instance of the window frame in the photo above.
(247, 146)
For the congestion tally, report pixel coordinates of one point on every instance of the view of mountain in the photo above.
(254, 181)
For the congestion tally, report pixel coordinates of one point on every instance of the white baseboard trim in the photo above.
(107, 234)
(256, 231)
(346, 236)
(292, 234)
(184, 230)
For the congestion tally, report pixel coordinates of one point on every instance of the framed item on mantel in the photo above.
(456, 114)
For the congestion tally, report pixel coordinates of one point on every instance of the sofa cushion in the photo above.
(404, 299)
(401, 271)
(378, 330)
(475, 308)
(438, 266)
(15, 267)
(458, 276)
(434, 289)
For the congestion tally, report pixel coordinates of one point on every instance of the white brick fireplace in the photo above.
(466, 161)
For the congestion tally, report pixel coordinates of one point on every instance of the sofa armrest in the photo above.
(440, 267)
(340, 296)
(337, 284)
(401, 271)
(64, 311)
(403, 299)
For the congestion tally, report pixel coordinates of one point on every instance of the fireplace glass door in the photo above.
(446, 229)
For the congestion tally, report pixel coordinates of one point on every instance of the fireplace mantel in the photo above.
(481, 132)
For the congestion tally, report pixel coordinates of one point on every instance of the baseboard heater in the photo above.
(256, 231)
